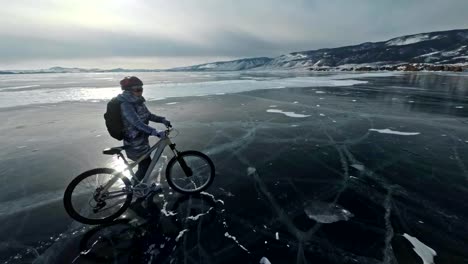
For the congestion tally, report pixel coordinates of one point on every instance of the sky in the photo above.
(161, 34)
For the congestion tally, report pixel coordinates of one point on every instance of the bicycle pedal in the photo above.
(155, 189)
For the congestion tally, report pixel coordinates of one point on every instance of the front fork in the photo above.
(188, 172)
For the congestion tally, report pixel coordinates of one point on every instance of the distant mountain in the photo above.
(235, 65)
(443, 47)
(74, 70)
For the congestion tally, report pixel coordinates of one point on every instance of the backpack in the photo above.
(113, 119)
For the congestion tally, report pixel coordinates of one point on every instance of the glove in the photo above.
(160, 134)
(167, 123)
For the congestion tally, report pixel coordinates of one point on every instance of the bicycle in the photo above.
(187, 172)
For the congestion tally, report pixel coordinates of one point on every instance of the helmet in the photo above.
(130, 81)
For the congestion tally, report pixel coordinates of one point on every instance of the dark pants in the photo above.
(142, 168)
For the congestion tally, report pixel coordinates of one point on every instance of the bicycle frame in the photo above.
(158, 146)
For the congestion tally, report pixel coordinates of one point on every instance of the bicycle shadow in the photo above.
(149, 233)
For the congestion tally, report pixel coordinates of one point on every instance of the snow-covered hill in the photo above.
(235, 65)
(443, 47)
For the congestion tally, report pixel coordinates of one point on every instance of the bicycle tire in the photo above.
(185, 155)
(73, 213)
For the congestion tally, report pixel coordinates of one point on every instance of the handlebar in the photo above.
(168, 130)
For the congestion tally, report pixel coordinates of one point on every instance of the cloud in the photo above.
(58, 30)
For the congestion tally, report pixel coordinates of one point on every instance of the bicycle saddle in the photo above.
(112, 151)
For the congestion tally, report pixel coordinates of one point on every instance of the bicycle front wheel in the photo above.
(86, 202)
(202, 172)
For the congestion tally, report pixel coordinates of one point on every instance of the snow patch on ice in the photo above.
(196, 217)
(181, 233)
(393, 132)
(327, 212)
(171, 103)
(212, 196)
(264, 260)
(235, 240)
(290, 114)
(165, 212)
(426, 253)
(459, 106)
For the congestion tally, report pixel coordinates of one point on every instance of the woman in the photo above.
(135, 118)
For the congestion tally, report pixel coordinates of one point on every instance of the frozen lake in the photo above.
(311, 168)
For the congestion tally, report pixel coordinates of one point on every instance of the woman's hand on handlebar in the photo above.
(167, 123)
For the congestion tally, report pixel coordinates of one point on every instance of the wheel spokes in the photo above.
(85, 194)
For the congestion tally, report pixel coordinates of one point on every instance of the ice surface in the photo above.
(393, 132)
(19, 87)
(327, 212)
(251, 170)
(426, 253)
(29, 202)
(358, 167)
(157, 91)
(358, 172)
(290, 114)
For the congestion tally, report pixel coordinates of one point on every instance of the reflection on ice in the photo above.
(327, 212)
(119, 165)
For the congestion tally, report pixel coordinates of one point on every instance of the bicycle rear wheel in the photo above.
(81, 197)
(202, 169)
